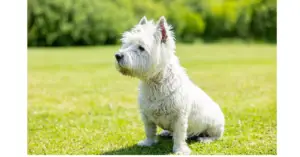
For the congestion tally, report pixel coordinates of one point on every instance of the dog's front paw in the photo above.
(147, 142)
(182, 150)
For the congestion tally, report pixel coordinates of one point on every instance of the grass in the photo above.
(79, 104)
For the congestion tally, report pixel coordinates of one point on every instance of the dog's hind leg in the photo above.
(213, 134)
(165, 133)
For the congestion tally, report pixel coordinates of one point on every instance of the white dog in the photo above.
(167, 97)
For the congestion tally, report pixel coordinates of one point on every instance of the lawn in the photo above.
(79, 104)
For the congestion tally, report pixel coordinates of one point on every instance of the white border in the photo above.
(13, 83)
(288, 70)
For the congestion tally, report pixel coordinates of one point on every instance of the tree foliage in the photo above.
(100, 22)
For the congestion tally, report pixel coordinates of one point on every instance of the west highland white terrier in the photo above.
(167, 97)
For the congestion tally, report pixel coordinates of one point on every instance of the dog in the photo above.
(167, 97)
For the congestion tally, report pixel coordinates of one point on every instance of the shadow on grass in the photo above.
(163, 147)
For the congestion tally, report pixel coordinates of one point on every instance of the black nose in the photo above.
(119, 56)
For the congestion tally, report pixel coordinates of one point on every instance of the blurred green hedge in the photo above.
(101, 22)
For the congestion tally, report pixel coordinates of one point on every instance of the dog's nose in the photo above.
(119, 56)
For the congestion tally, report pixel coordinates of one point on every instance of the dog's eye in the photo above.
(141, 48)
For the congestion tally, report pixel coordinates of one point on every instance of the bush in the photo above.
(66, 23)
(264, 21)
(101, 22)
(237, 19)
(187, 24)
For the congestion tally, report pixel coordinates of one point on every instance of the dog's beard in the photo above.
(123, 70)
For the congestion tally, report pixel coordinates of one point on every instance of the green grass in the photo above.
(79, 104)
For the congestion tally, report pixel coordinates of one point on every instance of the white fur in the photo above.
(167, 97)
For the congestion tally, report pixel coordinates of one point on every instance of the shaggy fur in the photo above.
(167, 97)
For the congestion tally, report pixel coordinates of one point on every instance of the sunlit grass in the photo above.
(79, 104)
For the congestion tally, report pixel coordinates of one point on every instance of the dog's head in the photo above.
(146, 49)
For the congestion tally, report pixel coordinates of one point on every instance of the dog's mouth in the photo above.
(123, 70)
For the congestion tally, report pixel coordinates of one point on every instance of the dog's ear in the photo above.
(162, 28)
(143, 20)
